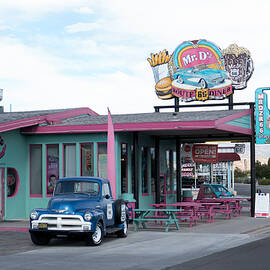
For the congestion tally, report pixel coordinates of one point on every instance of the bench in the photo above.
(142, 216)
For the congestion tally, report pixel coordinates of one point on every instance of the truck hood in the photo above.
(69, 204)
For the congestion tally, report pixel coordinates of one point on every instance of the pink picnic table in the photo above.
(191, 210)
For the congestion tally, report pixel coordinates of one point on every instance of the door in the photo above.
(163, 189)
(2, 194)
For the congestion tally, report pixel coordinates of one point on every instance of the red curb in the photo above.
(14, 229)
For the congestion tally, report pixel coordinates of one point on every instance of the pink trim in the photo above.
(33, 195)
(235, 129)
(2, 193)
(63, 159)
(17, 183)
(121, 127)
(14, 229)
(53, 117)
(98, 156)
(233, 117)
(50, 195)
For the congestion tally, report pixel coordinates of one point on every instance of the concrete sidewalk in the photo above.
(243, 224)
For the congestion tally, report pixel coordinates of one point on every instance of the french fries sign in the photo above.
(199, 70)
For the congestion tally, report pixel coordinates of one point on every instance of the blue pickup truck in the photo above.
(81, 206)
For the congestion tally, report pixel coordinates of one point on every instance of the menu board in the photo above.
(262, 205)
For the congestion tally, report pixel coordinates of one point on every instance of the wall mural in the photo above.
(199, 70)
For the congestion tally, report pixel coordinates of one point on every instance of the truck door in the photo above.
(107, 205)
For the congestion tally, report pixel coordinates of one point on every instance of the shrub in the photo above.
(264, 182)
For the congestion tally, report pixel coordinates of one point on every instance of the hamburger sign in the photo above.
(199, 70)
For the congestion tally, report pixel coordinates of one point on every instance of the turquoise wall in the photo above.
(17, 156)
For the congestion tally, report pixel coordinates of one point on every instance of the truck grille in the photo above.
(62, 222)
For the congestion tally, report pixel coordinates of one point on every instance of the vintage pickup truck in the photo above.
(80, 206)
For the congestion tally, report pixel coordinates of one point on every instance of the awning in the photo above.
(228, 157)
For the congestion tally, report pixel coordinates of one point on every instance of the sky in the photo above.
(93, 53)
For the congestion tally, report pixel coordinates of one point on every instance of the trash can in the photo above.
(187, 196)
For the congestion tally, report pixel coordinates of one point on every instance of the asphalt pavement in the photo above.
(150, 248)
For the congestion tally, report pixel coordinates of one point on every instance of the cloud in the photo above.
(84, 10)
(82, 27)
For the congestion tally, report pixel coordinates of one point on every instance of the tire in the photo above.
(120, 211)
(124, 232)
(203, 84)
(180, 80)
(95, 238)
(40, 239)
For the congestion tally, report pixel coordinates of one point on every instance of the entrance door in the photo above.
(163, 188)
(2, 194)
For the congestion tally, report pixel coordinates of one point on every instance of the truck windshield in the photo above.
(219, 189)
(85, 187)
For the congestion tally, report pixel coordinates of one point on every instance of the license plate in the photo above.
(43, 226)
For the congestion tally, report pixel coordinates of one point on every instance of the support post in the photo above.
(176, 104)
(230, 102)
(135, 168)
(178, 171)
(252, 162)
(157, 169)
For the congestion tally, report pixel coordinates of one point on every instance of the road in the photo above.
(141, 250)
(250, 256)
(244, 189)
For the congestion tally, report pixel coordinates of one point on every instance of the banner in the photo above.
(205, 153)
(111, 155)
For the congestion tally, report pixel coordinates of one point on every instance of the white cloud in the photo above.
(84, 10)
(82, 27)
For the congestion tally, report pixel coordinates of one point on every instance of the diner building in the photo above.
(39, 147)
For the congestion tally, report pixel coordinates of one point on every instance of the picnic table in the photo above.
(192, 211)
(228, 205)
(142, 216)
(186, 211)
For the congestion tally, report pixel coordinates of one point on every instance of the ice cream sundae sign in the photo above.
(198, 70)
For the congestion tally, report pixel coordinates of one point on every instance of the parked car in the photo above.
(81, 206)
(201, 76)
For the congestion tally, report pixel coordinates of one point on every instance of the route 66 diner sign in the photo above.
(199, 70)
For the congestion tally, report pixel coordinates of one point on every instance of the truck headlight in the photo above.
(34, 215)
(87, 216)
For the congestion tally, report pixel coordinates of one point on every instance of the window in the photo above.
(12, 182)
(144, 171)
(153, 169)
(52, 167)
(87, 160)
(170, 170)
(70, 160)
(124, 168)
(102, 160)
(85, 187)
(36, 170)
(106, 190)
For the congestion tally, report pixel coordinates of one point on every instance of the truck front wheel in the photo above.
(95, 238)
(40, 238)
